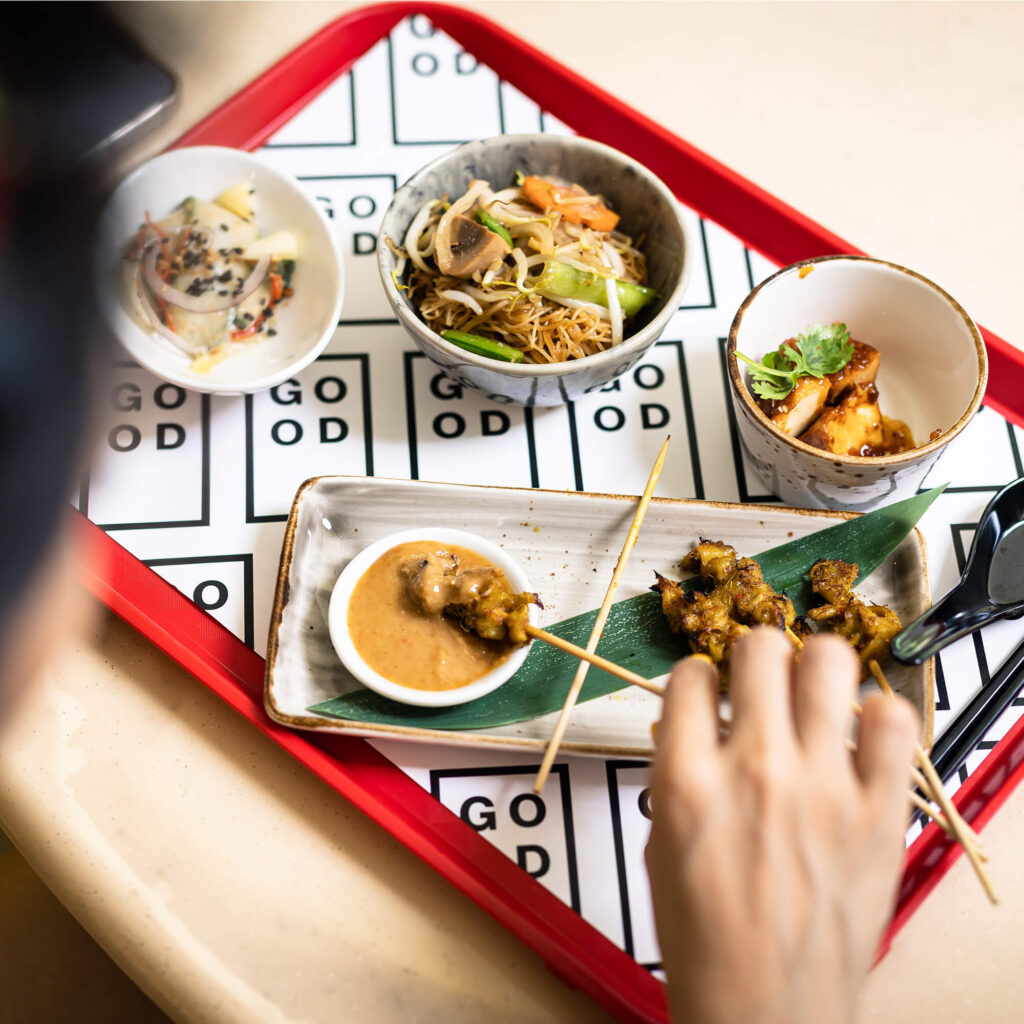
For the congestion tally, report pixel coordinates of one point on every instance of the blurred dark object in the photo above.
(50, 350)
(77, 86)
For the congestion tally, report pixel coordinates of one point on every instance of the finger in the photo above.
(824, 685)
(760, 670)
(885, 749)
(689, 718)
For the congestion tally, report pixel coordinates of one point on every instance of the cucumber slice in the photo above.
(563, 281)
(226, 230)
(484, 346)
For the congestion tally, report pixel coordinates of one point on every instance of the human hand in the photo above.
(775, 854)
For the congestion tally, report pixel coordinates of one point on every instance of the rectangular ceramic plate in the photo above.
(567, 543)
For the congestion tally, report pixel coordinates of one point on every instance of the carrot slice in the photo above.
(549, 196)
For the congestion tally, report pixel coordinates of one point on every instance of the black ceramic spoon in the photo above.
(991, 587)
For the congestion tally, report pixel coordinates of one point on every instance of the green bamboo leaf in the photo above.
(636, 635)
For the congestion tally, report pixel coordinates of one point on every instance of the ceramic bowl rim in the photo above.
(739, 388)
(527, 371)
(118, 321)
(341, 594)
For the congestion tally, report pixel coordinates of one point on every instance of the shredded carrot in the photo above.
(565, 200)
(276, 287)
(245, 332)
(166, 315)
(159, 234)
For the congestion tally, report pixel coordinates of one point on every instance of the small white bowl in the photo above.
(305, 323)
(932, 375)
(337, 618)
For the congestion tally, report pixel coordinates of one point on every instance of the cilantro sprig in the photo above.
(820, 350)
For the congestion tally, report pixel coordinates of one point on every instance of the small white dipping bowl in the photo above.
(305, 323)
(932, 375)
(337, 618)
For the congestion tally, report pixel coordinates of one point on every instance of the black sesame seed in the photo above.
(223, 227)
(271, 333)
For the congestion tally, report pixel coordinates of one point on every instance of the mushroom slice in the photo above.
(465, 246)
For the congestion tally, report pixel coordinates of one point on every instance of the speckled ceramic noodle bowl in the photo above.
(647, 211)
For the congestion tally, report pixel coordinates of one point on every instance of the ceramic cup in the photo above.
(932, 375)
(647, 209)
(337, 618)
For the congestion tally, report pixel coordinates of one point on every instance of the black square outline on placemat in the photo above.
(612, 769)
(395, 140)
(204, 499)
(412, 434)
(247, 581)
(363, 359)
(559, 770)
(712, 302)
(691, 426)
(350, 75)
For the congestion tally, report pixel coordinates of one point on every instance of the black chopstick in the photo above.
(969, 727)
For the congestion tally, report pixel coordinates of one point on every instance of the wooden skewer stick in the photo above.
(637, 680)
(922, 784)
(922, 805)
(961, 830)
(950, 820)
(602, 617)
(595, 659)
(953, 817)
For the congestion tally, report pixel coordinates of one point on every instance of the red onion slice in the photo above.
(156, 323)
(210, 301)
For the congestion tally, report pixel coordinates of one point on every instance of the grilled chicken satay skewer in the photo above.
(479, 598)
(482, 602)
(602, 617)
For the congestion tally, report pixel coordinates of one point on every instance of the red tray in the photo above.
(573, 949)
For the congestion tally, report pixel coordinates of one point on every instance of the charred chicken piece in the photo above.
(711, 559)
(479, 598)
(737, 598)
(704, 620)
(869, 628)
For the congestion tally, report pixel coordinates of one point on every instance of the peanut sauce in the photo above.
(396, 638)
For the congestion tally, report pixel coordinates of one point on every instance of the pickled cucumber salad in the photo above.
(203, 280)
(537, 272)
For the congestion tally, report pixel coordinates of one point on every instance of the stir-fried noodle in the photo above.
(530, 272)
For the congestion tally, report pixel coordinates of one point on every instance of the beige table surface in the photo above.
(234, 886)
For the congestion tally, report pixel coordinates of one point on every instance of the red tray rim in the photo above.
(573, 949)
